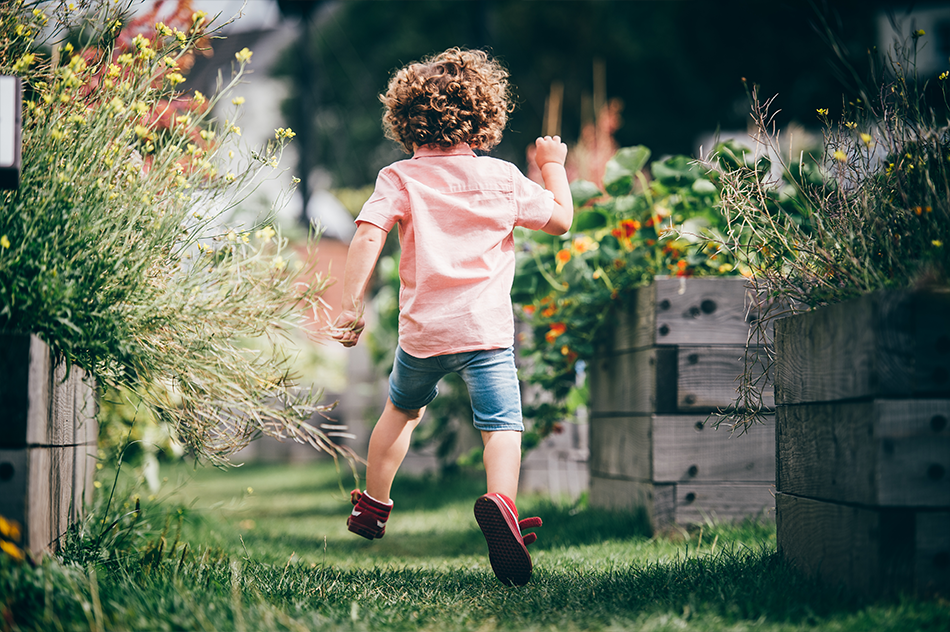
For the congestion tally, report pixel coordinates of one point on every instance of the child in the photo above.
(456, 212)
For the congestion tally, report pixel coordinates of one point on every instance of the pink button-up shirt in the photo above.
(456, 212)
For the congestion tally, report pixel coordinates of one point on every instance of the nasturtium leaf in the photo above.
(589, 220)
(583, 192)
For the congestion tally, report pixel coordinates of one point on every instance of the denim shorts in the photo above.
(490, 375)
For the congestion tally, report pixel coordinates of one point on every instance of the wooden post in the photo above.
(862, 443)
(669, 364)
(48, 434)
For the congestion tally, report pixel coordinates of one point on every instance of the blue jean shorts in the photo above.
(490, 375)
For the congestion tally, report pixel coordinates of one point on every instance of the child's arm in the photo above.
(360, 261)
(550, 158)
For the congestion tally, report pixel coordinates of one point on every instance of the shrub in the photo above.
(115, 250)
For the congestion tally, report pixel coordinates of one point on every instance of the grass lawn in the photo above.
(266, 547)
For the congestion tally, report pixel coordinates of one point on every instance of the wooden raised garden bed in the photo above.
(668, 364)
(48, 434)
(863, 444)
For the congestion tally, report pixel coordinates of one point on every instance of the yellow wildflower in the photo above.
(24, 62)
(243, 55)
(184, 119)
(840, 156)
(170, 62)
(114, 71)
(9, 528)
(280, 132)
(237, 100)
(235, 129)
(125, 59)
(944, 75)
(117, 105)
(279, 262)
(866, 138)
(850, 124)
(161, 28)
(266, 233)
(140, 108)
(13, 550)
(141, 42)
(937, 243)
(4, 242)
(207, 134)
(199, 98)
(175, 78)
(822, 111)
(198, 17)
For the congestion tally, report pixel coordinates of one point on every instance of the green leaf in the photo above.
(583, 192)
(633, 159)
(676, 170)
(590, 220)
(702, 186)
(621, 169)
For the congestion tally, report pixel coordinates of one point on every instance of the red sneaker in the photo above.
(498, 519)
(369, 516)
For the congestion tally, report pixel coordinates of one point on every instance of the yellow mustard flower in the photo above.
(175, 78)
(238, 100)
(23, 63)
(243, 55)
(840, 156)
(161, 28)
(4, 242)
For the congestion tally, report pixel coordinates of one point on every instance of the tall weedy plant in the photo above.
(871, 208)
(114, 250)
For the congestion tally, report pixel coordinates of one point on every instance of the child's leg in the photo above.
(502, 459)
(388, 446)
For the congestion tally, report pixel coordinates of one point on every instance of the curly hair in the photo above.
(458, 96)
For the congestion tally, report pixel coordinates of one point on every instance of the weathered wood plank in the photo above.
(14, 389)
(634, 324)
(707, 376)
(698, 502)
(620, 447)
(698, 311)
(868, 550)
(688, 449)
(893, 453)
(628, 382)
(885, 344)
(658, 501)
(932, 558)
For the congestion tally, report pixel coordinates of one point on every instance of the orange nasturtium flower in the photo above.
(528, 310)
(556, 330)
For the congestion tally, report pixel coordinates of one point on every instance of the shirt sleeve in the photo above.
(388, 203)
(534, 203)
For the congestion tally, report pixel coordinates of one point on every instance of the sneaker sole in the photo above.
(508, 556)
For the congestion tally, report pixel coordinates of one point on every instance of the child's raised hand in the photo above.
(550, 149)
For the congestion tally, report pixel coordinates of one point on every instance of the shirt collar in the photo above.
(462, 149)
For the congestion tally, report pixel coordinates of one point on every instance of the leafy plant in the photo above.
(115, 249)
(643, 221)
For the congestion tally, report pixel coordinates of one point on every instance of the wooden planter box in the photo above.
(668, 364)
(48, 434)
(863, 444)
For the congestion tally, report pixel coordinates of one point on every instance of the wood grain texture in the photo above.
(871, 551)
(636, 382)
(620, 447)
(885, 344)
(656, 500)
(881, 453)
(697, 503)
(703, 311)
(707, 376)
(688, 449)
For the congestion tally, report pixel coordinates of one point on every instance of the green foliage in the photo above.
(115, 249)
(664, 220)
